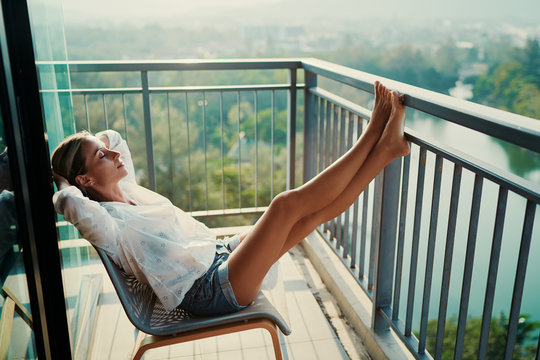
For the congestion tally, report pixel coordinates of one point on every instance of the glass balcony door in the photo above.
(33, 307)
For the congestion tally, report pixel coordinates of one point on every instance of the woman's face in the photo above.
(104, 166)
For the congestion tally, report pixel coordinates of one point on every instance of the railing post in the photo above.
(385, 251)
(310, 127)
(148, 131)
(291, 129)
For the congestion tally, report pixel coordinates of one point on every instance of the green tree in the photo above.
(513, 85)
(525, 347)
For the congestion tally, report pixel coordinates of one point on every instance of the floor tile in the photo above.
(311, 338)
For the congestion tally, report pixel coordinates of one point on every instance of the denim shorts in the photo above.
(212, 294)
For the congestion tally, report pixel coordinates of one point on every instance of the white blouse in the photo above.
(155, 241)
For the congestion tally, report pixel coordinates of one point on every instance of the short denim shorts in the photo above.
(212, 294)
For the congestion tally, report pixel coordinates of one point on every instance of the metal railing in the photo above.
(382, 276)
(197, 122)
(383, 230)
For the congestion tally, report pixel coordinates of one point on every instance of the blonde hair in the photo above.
(67, 160)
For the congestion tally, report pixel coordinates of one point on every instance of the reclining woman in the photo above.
(178, 256)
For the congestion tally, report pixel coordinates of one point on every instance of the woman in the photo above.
(176, 255)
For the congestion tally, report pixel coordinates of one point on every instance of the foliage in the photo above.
(525, 347)
(513, 84)
(405, 63)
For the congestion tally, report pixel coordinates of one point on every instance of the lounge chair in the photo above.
(167, 328)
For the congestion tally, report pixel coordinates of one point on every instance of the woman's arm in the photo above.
(114, 141)
(91, 219)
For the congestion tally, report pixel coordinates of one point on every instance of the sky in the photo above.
(169, 12)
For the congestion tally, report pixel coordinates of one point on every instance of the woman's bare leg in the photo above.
(391, 145)
(264, 244)
(331, 182)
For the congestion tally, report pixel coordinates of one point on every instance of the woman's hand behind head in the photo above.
(60, 181)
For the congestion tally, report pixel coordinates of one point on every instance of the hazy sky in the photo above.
(148, 11)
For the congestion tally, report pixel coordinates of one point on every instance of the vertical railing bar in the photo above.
(320, 143)
(125, 116)
(205, 148)
(339, 219)
(328, 141)
(291, 129)
(385, 248)
(363, 233)
(401, 235)
(327, 150)
(335, 139)
(469, 262)
(492, 272)
(448, 254)
(375, 227)
(415, 240)
(335, 133)
(105, 111)
(87, 113)
(310, 128)
(239, 151)
(363, 229)
(430, 253)
(222, 151)
(347, 248)
(188, 152)
(256, 149)
(272, 147)
(321, 134)
(74, 129)
(171, 165)
(354, 235)
(519, 282)
(148, 130)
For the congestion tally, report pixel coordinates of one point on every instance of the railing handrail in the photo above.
(516, 129)
(515, 183)
(176, 65)
(171, 89)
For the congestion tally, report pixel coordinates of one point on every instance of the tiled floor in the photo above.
(312, 337)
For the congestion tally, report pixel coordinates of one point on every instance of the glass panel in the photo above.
(81, 289)
(17, 340)
(50, 45)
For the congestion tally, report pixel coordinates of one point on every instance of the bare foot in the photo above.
(381, 109)
(393, 136)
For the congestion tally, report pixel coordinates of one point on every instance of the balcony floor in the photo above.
(313, 336)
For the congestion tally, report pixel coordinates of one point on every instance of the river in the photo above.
(487, 150)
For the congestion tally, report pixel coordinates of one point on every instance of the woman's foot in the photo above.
(381, 109)
(393, 136)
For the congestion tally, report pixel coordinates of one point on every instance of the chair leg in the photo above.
(137, 353)
(273, 330)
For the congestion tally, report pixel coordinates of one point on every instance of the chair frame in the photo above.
(148, 315)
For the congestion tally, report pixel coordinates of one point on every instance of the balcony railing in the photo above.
(382, 232)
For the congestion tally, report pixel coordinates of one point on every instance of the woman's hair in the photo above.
(67, 159)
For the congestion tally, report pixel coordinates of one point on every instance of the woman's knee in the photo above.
(284, 203)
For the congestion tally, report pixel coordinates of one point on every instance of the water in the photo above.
(501, 156)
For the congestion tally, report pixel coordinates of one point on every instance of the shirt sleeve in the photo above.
(117, 143)
(91, 219)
